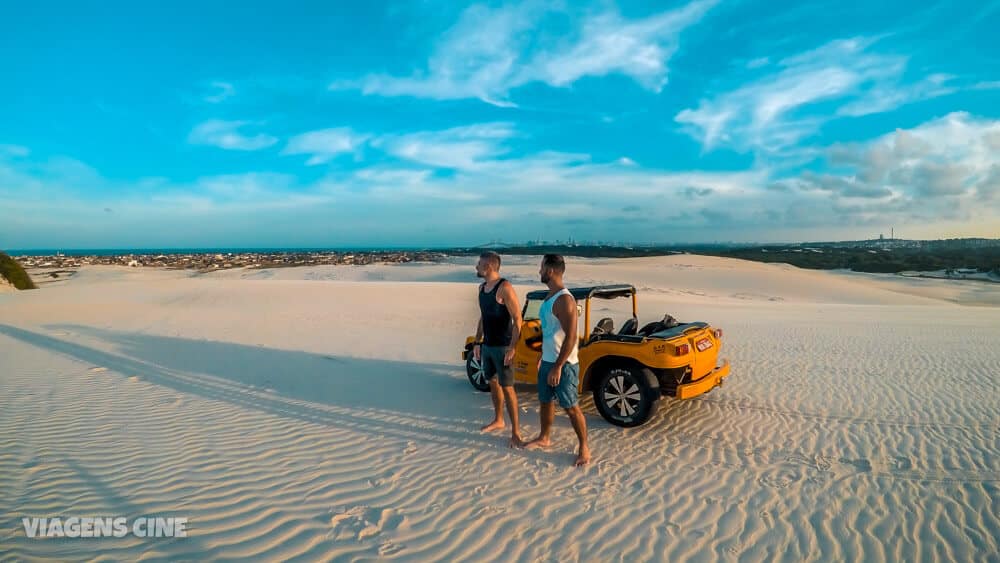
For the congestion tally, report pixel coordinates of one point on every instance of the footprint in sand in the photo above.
(607, 466)
(491, 509)
(389, 548)
(385, 478)
(367, 532)
(543, 469)
(780, 477)
(900, 463)
(859, 465)
(352, 524)
(818, 462)
(361, 522)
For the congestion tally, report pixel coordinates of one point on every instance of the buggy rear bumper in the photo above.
(710, 381)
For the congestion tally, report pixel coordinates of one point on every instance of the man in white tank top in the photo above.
(559, 370)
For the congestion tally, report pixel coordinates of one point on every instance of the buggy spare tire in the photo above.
(626, 395)
(474, 369)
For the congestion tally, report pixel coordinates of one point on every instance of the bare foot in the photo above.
(516, 441)
(495, 425)
(583, 458)
(537, 443)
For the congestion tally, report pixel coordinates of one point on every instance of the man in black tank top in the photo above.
(496, 337)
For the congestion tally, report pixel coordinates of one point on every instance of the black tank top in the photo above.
(496, 317)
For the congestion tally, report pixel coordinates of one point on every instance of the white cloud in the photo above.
(609, 44)
(242, 187)
(767, 114)
(945, 168)
(489, 52)
(394, 184)
(227, 135)
(325, 144)
(14, 150)
(392, 176)
(465, 148)
(927, 179)
(888, 96)
(221, 91)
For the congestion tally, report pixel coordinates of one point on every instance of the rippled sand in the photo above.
(315, 413)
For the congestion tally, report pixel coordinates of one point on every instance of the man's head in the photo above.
(489, 262)
(552, 269)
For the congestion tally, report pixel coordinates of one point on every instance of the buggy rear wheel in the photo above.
(627, 395)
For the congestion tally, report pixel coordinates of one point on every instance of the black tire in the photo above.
(627, 395)
(474, 369)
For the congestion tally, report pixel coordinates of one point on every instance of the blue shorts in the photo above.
(566, 391)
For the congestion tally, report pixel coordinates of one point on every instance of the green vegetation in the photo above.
(886, 261)
(583, 251)
(889, 256)
(11, 271)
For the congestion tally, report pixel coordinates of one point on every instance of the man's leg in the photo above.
(580, 427)
(568, 393)
(547, 410)
(492, 370)
(497, 396)
(547, 415)
(510, 394)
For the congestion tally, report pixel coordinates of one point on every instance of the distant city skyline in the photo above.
(500, 246)
(439, 124)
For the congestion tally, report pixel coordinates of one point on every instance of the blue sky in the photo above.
(192, 124)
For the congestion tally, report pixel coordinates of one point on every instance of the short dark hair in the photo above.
(554, 262)
(491, 257)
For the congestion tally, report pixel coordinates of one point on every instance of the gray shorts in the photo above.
(492, 358)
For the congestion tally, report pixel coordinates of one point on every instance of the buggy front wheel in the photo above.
(474, 369)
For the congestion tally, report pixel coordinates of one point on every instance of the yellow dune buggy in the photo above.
(627, 370)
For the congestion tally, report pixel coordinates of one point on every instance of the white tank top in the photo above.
(553, 334)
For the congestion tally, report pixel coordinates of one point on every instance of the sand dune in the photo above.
(313, 414)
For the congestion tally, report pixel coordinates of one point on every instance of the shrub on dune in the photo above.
(11, 271)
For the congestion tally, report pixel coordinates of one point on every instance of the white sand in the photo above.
(312, 413)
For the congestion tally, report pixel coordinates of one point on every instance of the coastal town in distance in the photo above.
(965, 258)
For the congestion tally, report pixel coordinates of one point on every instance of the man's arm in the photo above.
(509, 297)
(565, 310)
(476, 351)
(479, 332)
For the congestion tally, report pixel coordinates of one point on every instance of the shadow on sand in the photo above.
(404, 400)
